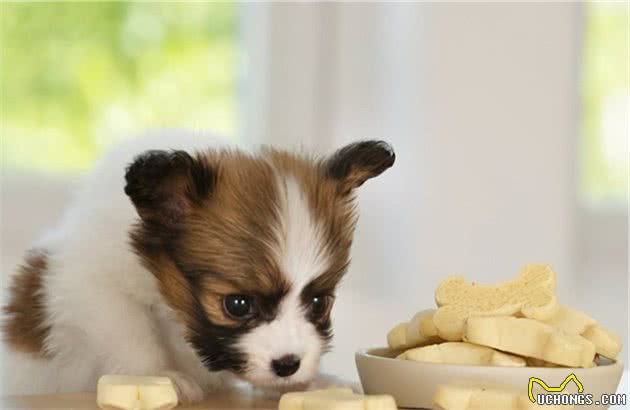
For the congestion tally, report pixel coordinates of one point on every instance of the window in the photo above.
(604, 173)
(75, 77)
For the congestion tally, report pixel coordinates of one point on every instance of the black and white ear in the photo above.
(354, 164)
(165, 186)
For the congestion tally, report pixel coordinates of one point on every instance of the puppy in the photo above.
(192, 262)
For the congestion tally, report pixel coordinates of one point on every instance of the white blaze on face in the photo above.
(302, 256)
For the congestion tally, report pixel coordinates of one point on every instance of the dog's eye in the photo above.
(320, 306)
(238, 306)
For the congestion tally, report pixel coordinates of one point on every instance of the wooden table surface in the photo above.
(235, 400)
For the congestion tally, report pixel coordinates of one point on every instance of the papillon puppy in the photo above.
(185, 257)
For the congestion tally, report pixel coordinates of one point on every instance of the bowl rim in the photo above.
(368, 352)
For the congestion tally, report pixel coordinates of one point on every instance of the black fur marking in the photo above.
(216, 345)
(356, 163)
(164, 185)
(322, 324)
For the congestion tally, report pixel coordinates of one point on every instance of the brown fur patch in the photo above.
(231, 237)
(173, 286)
(228, 241)
(212, 301)
(24, 325)
(225, 243)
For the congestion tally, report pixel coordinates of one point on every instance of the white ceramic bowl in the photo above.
(413, 384)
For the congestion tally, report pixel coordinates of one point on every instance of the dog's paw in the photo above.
(325, 381)
(188, 390)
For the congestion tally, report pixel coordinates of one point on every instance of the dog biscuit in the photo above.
(407, 335)
(335, 399)
(573, 321)
(462, 353)
(397, 336)
(485, 398)
(422, 329)
(531, 338)
(531, 294)
(135, 393)
(606, 342)
(296, 399)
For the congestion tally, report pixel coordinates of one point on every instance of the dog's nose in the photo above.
(286, 365)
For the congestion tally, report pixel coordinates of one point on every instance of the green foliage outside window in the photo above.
(604, 161)
(75, 77)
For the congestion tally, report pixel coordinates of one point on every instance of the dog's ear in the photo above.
(354, 164)
(165, 186)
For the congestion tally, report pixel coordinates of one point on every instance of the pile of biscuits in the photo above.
(517, 323)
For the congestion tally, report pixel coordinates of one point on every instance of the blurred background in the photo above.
(510, 123)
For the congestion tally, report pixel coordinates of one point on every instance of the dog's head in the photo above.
(248, 250)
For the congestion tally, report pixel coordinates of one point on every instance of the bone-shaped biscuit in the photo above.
(606, 342)
(462, 353)
(531, 294)
(422, 328)
(407, 335)
(530, 338)
(116, 392)
(573, 321)
(335, 399)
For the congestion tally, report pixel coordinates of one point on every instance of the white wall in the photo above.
(481, 104)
